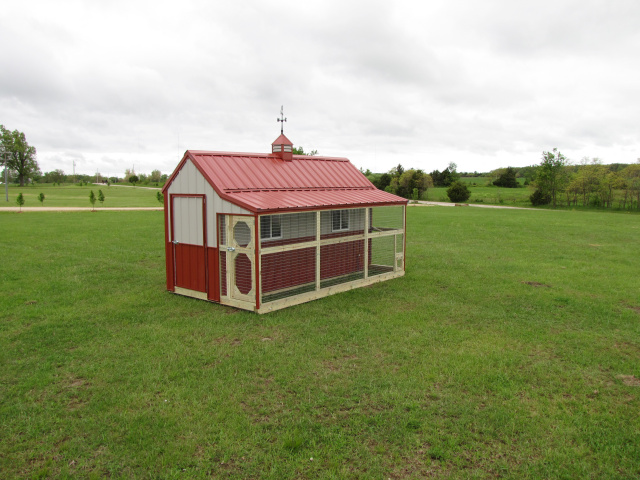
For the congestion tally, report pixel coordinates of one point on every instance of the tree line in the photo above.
(559, 183)
(411, 183)
(20, 159)
(555, 181)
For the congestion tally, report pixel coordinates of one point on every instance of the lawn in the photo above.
(511, 349)
(518, 197)
(76, 196)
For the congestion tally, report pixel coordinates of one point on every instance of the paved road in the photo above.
(127, 186)
(73, 209)
(447, 204)
(88, 209)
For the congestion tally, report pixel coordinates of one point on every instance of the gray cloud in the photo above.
(382, 83)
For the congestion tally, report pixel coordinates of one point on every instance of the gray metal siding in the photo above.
(190, 181)
(188, 217)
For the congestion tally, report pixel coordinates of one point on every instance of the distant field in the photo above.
(477, 180)
(510, 349)
(76, 196)
(484, 181)
(482, 194)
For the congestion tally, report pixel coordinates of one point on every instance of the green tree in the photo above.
(383, 181)
(528, 173)
(458, 192)
(444, 178)
(538, 198)
(507, 179)
(393, 186)
(156, 175)
(101, 197)
(160, 197)
(413, 179)
(300, 151)
(23, 155)
(632, 177)
(453, 172)
(41, 198)
(133, 179)
(55, 176)
(611, 182)
(92, 199)
(552, 176)
(127, 174)
(20, 201)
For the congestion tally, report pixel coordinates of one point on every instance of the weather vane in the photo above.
(282, 119)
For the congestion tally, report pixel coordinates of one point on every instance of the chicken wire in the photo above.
(295, 259)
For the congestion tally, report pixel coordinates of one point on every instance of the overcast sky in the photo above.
(484, 84)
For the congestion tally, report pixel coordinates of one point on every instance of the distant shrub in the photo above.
(507, 179)
(595, 202)
(458, 192)
(540, 198)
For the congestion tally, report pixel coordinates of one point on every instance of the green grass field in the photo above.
(483, 181)
(76, 196)
(510, 349)
(518, 197)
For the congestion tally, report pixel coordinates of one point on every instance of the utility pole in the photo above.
(5, 158)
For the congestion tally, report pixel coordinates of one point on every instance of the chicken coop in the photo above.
(266, 231)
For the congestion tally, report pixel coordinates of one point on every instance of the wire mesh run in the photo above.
(312, 251)
(382, 255)
(387, 218)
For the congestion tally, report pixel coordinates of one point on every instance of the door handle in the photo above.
(231, 249)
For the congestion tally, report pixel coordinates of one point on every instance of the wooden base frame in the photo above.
(325, 292)
(190, 293)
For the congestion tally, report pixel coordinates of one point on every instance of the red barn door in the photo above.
(189, 238)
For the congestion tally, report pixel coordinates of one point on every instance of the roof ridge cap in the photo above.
(296, 189)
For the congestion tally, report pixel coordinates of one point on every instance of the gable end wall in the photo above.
(190, 181)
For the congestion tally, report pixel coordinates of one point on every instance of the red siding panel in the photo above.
(213, 259)
(190, 267)
(223, 273)
(287, 269)
(341, 259)
(244, 273)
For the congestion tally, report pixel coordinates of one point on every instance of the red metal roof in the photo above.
(264, 182)
(267, 201)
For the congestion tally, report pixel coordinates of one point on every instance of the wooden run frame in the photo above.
(319, 292)
(229, 246)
